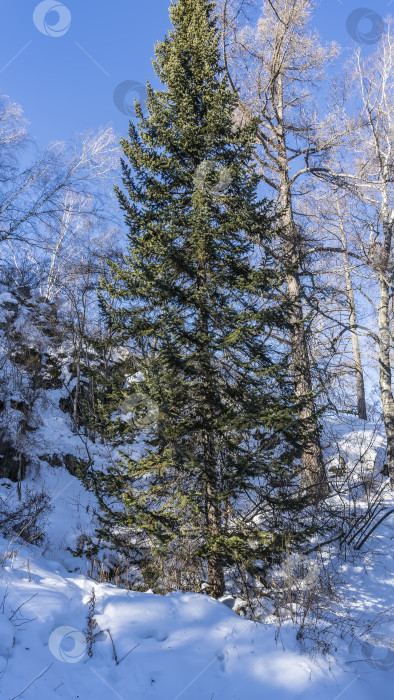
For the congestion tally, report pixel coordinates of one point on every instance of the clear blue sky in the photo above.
(64, 90)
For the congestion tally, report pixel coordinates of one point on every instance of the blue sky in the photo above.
(65, 83)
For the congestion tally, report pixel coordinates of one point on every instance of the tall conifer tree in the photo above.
(190, 297)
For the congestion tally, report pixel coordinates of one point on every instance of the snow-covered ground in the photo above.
(176, 646)
(182, 645)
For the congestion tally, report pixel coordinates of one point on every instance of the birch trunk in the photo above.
(372, 180)
(358, 367)
(385, 373)
(314, 478)
(77, 387)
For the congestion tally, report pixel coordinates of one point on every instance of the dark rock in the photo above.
(76, 466)
(66, 404)
(12, 463)
(29, 358)
(52, 377)
(54, 460)
(19, 406)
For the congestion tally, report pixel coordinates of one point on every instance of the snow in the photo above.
(7, 297)
(179, 645)
(182, 645)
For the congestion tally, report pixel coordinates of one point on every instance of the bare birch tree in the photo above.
(353, 325)
(38, 194)
(274, 63)
(370, 178)
(336, 275)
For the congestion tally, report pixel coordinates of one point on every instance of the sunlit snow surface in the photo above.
(181, 645)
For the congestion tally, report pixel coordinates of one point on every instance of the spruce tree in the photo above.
(214, 479)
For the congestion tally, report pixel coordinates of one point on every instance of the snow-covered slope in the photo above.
(182, 645)
(176, 646)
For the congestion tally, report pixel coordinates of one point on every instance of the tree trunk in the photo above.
(358, 367)
(212, 503)
(214, 524)
(383, 272)
(213, 517)
(385, 373)
(314, 473)
(77, 387)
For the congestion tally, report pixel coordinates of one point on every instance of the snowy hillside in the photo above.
(179, 645)
(182, 645)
